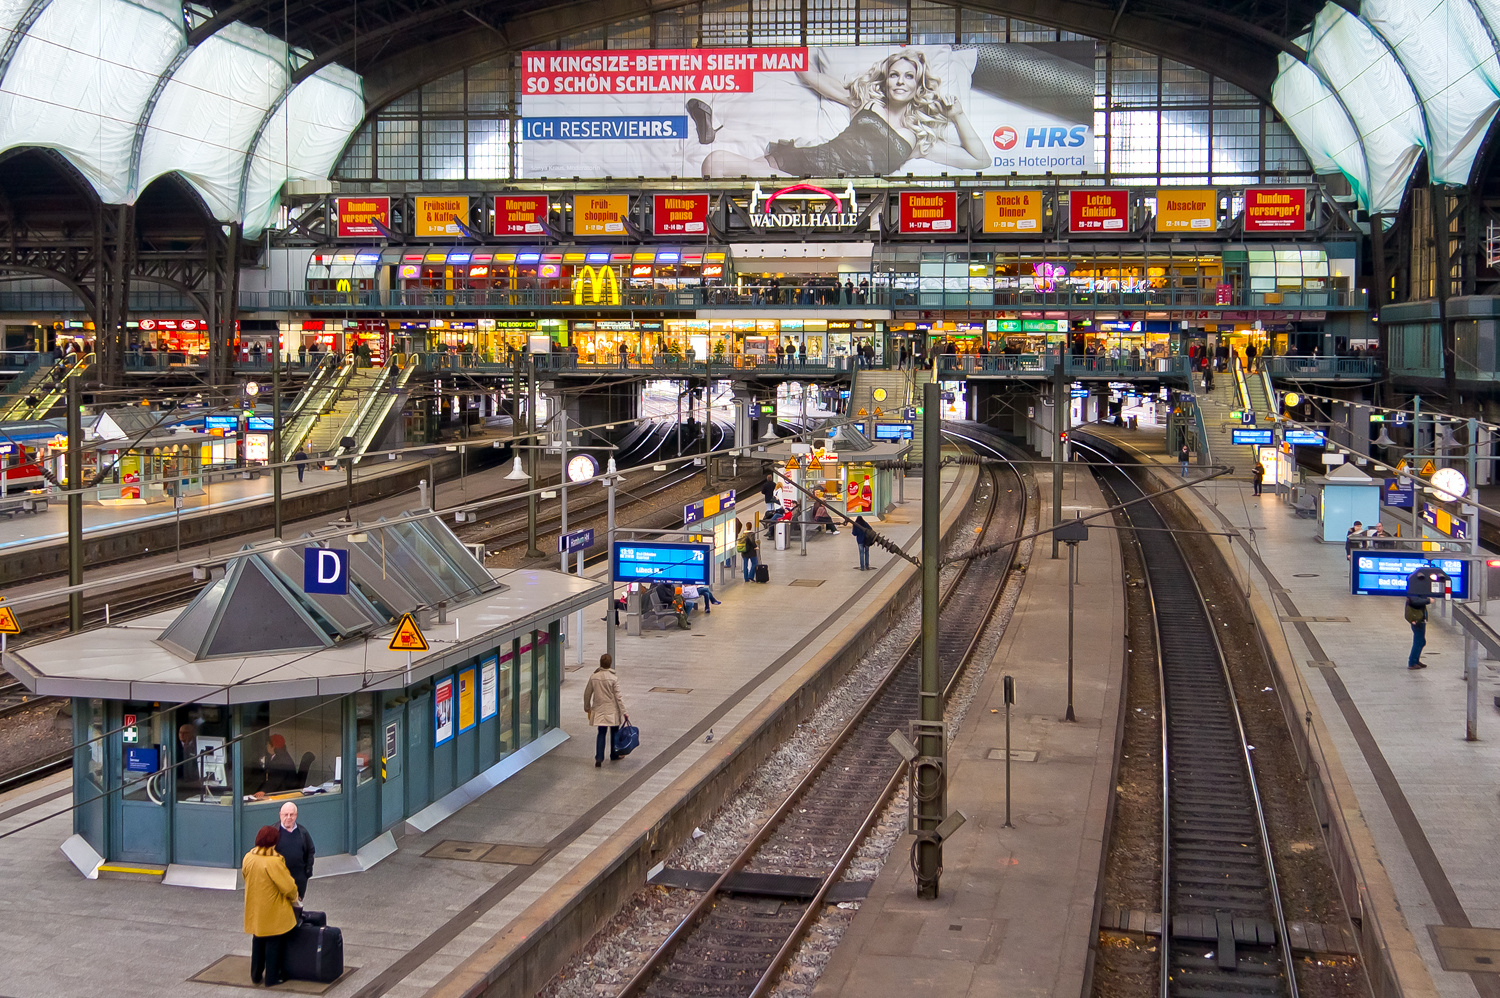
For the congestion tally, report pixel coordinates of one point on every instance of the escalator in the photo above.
(45, 388)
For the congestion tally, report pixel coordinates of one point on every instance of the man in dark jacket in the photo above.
(296, 847)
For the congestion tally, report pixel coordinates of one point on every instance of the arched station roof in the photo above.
(127, 92)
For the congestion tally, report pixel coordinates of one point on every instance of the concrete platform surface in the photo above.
(418, 915)
(1015, 912)
(1426, 801)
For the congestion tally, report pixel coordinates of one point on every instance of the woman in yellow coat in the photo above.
(269, 916)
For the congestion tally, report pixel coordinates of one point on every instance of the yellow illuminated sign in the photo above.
(1186, 210)
(435, 216)
(600, 214)
(602, 284)
(1013, 211)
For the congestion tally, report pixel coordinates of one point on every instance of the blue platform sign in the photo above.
(326, 571)
(1384, 574)
(578, 540)
(1253, 438)
(1311, 438)
(1400, 493)
(655, 562)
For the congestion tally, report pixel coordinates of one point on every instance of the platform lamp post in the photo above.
(1059, 436)
(612, 480)
(1070, 532)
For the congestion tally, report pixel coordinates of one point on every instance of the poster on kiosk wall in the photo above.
(443, 720)
(858, 111)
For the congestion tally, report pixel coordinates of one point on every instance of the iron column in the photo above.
(75, 501)
(276, 432)
(930, 791)
(562, 481)
(531, 548)
(1059, 407)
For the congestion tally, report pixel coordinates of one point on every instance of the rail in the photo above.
(1076, 365)
(320, 401)
(850, 765)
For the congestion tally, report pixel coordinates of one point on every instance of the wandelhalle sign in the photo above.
(820, 111)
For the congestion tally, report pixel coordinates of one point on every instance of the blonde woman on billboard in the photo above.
(898, 114)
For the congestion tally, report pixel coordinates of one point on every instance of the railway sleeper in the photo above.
(1226, 932)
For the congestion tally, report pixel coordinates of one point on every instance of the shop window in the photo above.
(289, 745)
(94, 750)
(200, 754)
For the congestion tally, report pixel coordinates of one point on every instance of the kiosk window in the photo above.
(95, 747)
(199, 754)
(289, 746)
(364, 736)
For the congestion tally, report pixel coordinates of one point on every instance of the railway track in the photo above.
(1224, 928)
(738, 936)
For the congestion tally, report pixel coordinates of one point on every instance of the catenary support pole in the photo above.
(531, 457)
(609, 543)
(75, 500)
(930, 791)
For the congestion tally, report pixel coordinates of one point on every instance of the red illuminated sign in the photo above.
(679, 214)
(520, 214)
(358, 216)
(1275, 209)
(641, 270)
(804, 189)
(929, 211)
(1099, 210)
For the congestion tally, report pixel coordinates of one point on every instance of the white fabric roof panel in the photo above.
(1376, 96)
(302, 140)
(81, 82)
(1315, 116)
(1440, 52)
(210, 111)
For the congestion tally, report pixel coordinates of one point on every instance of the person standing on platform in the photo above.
(1416, 616)
(301, 458)
(296, 847)
(1259, 475)
(604, 707)
(862, 541)
(270, 894)
(1353, 539)
(750, 552)
(1183, 457)
(768, 493)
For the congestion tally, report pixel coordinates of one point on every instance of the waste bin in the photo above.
(781, 531)
(1131, 420)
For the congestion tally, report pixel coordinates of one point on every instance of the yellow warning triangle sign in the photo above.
(408, 636)
(8, 624)
(1401, 465)
(1429, 469)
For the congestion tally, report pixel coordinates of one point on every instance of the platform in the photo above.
(1420, 803)
(1015, 913)
(489, 886)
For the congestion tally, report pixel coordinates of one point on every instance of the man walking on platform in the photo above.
(1416, 616)
(1183, 457)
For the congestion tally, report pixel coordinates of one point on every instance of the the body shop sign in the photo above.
(1275, 209)
(520, 214)
(357, 216)
(929, 211)
(1104, 210)
(679, 214)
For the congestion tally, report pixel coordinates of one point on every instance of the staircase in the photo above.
(330, 427)
(1218, 409)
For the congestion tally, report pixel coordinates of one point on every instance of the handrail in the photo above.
(329, 394)
(355, 424)
(319, 372)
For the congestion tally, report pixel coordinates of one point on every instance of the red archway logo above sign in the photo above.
(838, 202)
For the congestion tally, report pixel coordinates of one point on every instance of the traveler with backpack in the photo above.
(862, 538)
(1416, 616)
(749, 548)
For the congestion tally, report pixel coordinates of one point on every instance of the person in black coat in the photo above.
(296, 847)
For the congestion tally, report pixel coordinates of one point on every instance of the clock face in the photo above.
(1450, 484)
(879, 394)
(582, 466)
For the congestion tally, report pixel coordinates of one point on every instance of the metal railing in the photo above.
(1354, 368)
(1041, 365)
(145, 302)
(321, 400)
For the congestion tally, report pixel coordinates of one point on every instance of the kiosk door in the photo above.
(145, 781)
(393, 749)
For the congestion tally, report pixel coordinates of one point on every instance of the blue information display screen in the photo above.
(1296, 438)
(653, 562)
(1385, 574)
(221, 422)
(1253, 438)
(894, 431)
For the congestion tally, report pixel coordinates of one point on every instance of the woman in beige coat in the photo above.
(605, 708)
(269, 895)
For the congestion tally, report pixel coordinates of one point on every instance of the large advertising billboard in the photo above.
(358, 217)
(439, 216)
(1275, 209)
(857, 111)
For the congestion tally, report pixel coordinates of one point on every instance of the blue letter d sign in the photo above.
(325, 570)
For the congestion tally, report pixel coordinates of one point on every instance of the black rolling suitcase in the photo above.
(314, 953)
(762, 574)
(305, 917)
